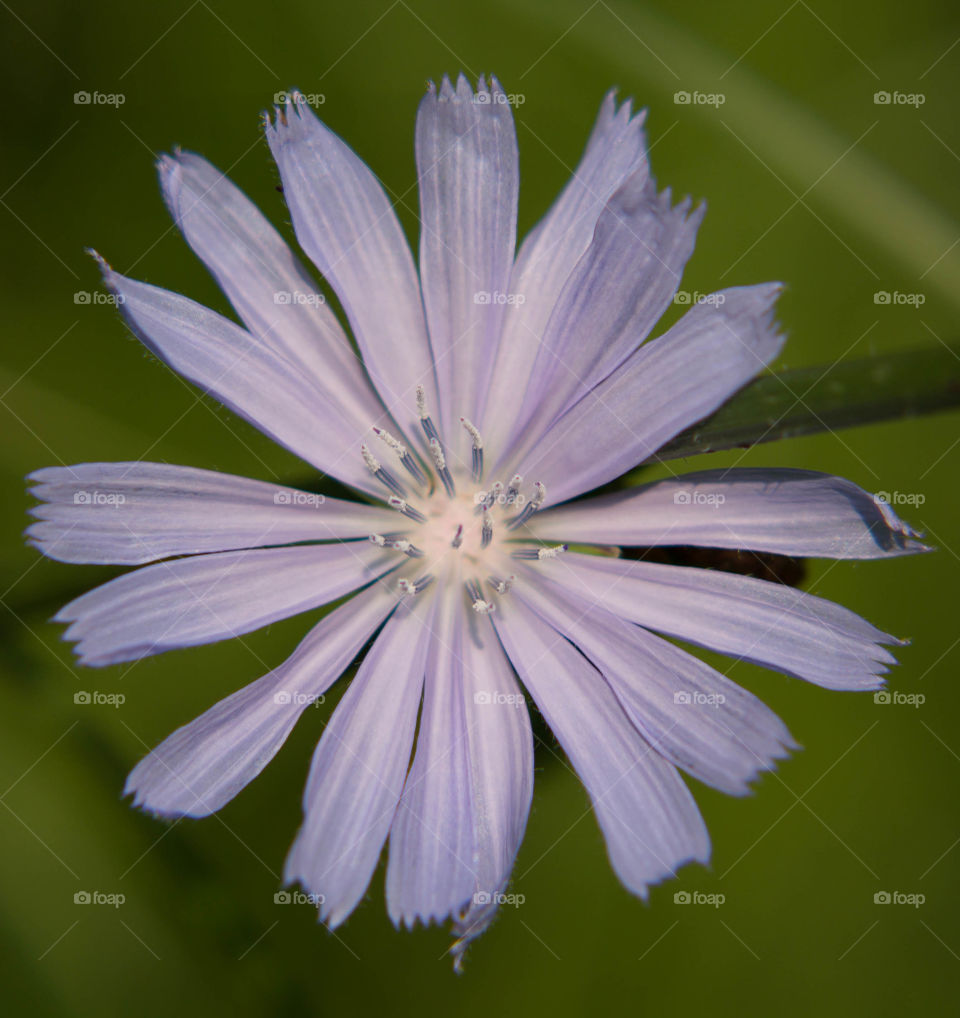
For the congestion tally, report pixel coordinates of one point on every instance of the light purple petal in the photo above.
(769, 624)
(359, 767)
(785, 511)
(278, 302)
(204, 764)
(666, 385)
(468, 174)
(617, 293)
(131, 513)
(617, 148)
(466, 799)
(699, 720)
(205, 598)
(251, 378)
(649, 819)
(346, 224)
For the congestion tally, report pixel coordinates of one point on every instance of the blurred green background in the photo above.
(809, 180)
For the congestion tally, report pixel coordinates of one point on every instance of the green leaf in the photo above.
(806, 401)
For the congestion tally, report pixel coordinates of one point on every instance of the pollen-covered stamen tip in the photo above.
(407, 510)
(513, 488)
(476, 469)
(457, 537)
(415, 586)
(480, 605)
(486, 529)
(440, 462)
(403, 454)
(539, 496)
(407, 548)
(540, 554)
(425, 421)
(502, 586)
(375, 468)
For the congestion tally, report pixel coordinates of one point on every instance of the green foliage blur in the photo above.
(811, 178)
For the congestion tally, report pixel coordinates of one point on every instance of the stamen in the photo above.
(513, 488)
(480, 605)
(425, 422)
(375, 468)
(379, 540)
(407, 548)
(502, 586)
(440, 461)
(539, 496)
(539, 554)
(486, 530)
(474, 432)
(457, 537)
(415, 586)
(406, 460)
(407, 510)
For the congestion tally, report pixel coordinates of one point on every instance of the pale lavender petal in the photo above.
(359, 767)
(698, 719)
(204, 764)
(649, 819)
(205, 598)
(432, 867)
(616, 148)
(616, 295)
(271, 292)
(131, 513)
(467, 169)
(346, 224)
(501, 753)
(466, 798)
(785, 511)
(769, 624)
(666, 385)
(250, 377)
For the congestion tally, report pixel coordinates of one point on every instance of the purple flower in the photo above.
(489, 388)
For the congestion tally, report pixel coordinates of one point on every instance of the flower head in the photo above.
(486, 392)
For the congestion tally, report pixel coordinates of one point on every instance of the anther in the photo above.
(440, 462)
(486, 530)
(457, 537)
(375, 468)
(474, 432)
(539, 496)
(480, 605)
(513, 488)
(406, 460)
(539, 554)
(502, 586)
(425, 422)
(415, 586)
(407, 548)
(407, 510)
